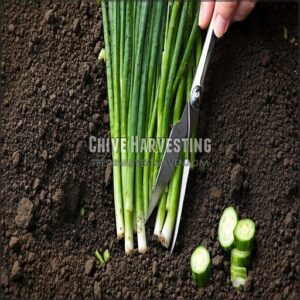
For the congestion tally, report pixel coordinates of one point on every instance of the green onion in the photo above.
(200, 266)
(244, 233)
(100, 259)
(81, 211)
(149, 46)
(226, 227)
(101, 55)
(106, 255)
(113, 125)
(240, 258)
(238, 276)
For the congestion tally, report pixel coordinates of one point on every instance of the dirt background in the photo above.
(53, 97)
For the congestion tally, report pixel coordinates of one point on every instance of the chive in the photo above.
(174, 192)
(227, 223)
(244, 233)
(106, 255)
(81, 211)
(100, 258)
(101, 55)
(148, 46)
(185, 59)
(165, 66)
(126, 75)
(200, 266)
(134, 106)
(161, 215)
(116, 169)
(173, 67)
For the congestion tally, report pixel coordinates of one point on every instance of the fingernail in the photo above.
(221, 26)
(201, 15)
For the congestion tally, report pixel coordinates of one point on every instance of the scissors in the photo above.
(182, 130)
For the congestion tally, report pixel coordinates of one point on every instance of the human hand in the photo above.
(225, 13)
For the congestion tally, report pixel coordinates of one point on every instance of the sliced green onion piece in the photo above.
(244, 233)
(226, 227)
(238, 276)
(240, 258)
(101, 55)
(200, 265)
(106, 255)
(99, 257)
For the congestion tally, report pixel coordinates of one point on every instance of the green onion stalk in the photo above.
(113, 126)
(150, 55)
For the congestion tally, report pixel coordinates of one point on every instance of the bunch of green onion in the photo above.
(152, 49)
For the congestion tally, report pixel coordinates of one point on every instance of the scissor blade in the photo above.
(185, 176)
(168, 164)
(205, 56)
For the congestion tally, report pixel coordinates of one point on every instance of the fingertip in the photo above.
(206, 11)
(221, 25)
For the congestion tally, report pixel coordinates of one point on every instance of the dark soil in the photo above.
(53, 97)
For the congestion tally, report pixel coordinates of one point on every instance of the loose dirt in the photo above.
(53, 97)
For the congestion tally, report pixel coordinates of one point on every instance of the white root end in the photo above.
(128, 246)
(141, 235)
(120, 235)
(120, 227)
(158, 226)
(165, 237)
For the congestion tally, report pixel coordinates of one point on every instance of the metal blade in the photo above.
(168, 164)
(205, 56)
(185, 176)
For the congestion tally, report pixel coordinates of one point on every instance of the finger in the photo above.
(243, 10)
(206, 11)
(224, 14)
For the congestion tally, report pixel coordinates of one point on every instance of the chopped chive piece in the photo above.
(101, 55)
(226, 227)
(244, 233)
(238, 276)
(106, 255)
(201, 266)
(82, 211)
(240, 258)
(100, 259)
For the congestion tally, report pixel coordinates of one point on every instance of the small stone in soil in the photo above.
(155, 268)
(97, 290)
(92, 217)
(71, 93)
(4, 280)
(97, 48)
(96, 118)
(230, 152)
(36, 183)
(108, 172)
(16, 271)
(49, 17)
(217, 261)
(58, 195)
(11, 28)
(236, 179)
(14, 243)
(84, 72)
(16, 158)
(160, 287)
(24, 213)
(45, 154)
(89, 266)
(288, 219)
(76, 25)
